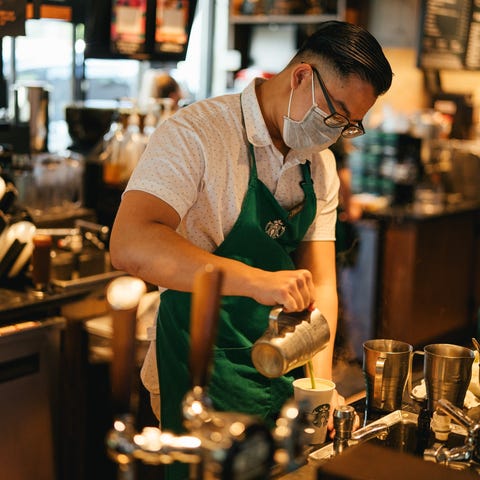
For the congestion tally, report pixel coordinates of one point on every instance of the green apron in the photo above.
(264, 236)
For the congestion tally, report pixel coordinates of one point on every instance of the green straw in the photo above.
(310, 372)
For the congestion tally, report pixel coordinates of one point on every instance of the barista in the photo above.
(246, 182)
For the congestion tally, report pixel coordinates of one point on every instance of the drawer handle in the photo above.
(19, 367)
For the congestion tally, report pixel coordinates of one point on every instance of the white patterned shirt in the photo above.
(198, 162)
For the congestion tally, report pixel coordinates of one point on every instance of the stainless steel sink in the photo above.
(402, 437)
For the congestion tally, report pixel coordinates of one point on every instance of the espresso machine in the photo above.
(217, 445)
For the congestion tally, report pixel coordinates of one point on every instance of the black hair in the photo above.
(349, 49)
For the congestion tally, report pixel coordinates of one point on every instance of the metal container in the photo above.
(386, 368)
(447, 371)
(291, 340)
(31, 106)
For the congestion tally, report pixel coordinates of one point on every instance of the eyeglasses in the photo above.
(337, 120)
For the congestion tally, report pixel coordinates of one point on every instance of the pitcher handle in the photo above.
(378, 383)
(410, 386)
(273, 319)
(409, 374)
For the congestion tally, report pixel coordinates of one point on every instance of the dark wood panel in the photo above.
(427, 286)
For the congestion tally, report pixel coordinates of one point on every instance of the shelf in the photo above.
(283, 19)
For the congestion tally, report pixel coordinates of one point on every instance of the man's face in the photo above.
(351, 97)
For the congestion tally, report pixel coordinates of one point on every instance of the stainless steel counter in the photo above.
(307, 472)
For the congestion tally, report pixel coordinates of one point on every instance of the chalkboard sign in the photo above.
(449, 35)
(472, 57)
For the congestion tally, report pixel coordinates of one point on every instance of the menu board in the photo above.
(171, 25)
(472, 57)
(156, 30)
(128, 26)
(450, 35)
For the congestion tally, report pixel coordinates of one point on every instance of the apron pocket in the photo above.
(236, 385)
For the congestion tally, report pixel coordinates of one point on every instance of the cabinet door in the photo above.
(427, 282)
(29, 410)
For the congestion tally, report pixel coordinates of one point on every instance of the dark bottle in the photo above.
(41, 262)
(423, 429)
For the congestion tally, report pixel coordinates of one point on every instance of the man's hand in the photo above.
(293, 289)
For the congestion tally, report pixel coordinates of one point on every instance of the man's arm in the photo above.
(144, 243)
(319, 258)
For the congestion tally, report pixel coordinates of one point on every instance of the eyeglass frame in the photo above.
(347, 125)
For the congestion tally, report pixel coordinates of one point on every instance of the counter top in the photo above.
(22, 303)
(400, 214)
(307, 472)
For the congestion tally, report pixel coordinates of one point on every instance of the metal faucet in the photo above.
(218, 444)
(343, 419)
(470, 450)
(94, 233)
(151, 446)
(74, 238)
(378, 430)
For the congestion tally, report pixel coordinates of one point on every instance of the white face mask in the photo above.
(311, 131)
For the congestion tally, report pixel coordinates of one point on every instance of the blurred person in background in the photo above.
(165, 86)
(159, 84)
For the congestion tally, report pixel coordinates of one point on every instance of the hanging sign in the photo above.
(12, 17)
(171, 26)
(128, 27)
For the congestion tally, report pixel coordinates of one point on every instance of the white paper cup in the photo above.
(318, 402)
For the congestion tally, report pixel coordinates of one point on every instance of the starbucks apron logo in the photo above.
(275, 228)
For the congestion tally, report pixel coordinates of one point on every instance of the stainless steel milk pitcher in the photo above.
(290, 341)
(447, 370)
(386, 369)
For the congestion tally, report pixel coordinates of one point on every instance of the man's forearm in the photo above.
(158, 255)
(162, 257)
(327, 303)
